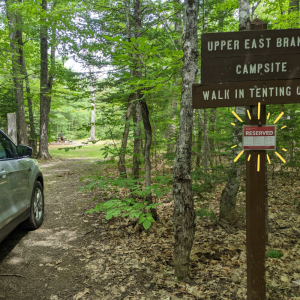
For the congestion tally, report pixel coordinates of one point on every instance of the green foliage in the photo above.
(203, 183)
(133, 207)
(273, 254)
(204, 212)
(127, 207)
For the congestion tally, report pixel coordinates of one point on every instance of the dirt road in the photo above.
(76, 255)
(44, 264)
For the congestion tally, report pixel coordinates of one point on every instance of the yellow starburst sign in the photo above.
(261, 137)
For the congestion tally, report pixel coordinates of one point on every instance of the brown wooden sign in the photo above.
(249, 59)
(247, 43)
(230, 94)
(250, 55)
(245, 68)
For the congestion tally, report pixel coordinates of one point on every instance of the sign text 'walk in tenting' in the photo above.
(227, 94)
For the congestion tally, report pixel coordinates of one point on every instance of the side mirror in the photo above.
(24, 151)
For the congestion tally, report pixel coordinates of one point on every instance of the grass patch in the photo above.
(274, 254)
(85, 152)
(205, 212)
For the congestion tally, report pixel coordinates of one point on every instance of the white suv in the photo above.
(21, 188)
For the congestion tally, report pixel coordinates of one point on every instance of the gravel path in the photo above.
(44, 264)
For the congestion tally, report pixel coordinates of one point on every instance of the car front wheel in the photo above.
(36, 217)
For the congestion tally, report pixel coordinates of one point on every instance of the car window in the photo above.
(14, 147)
(5, 148)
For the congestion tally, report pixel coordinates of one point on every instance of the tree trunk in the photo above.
(148, 141)
(293, 5)
(155, 147)
(199, 140)
(172, 128)
(45, 83)
(228, 211)
(127, 11)
(244, 15)
(44, 100)
(32, 139)
(121, 164)
(184, 212)
(137, 111)
(206, 149)
(16, 45)
(142, 105)
(267, 205)
(206, 143)
(212, 120)
(228, 198)
(221, 16)
(93, 119)
(136, 116)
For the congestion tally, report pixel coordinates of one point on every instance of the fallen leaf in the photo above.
(81, 294)
(296, 282)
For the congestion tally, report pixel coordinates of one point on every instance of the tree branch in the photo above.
(254, 8)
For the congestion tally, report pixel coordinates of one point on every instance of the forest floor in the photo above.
(81, 256)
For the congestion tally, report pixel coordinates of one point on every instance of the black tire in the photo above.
(36, 217)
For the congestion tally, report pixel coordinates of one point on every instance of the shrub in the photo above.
(204, 212)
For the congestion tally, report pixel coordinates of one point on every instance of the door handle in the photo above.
(3, 173)
(28, 169)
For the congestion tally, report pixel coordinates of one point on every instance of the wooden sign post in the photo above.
(255, 210)
(246, 69)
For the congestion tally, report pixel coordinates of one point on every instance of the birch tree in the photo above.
(228, 197)
(244, 15)
(16, 45)
(184, 212)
